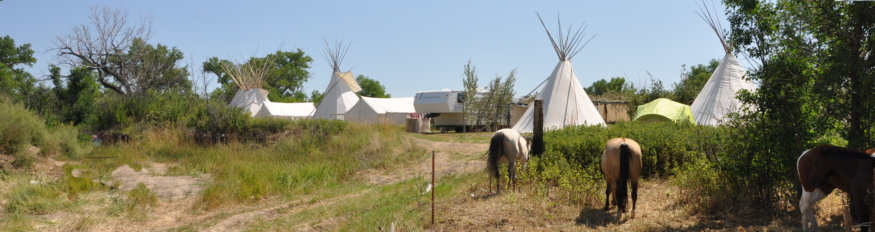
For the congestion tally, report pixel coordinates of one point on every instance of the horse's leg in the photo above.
(634, 195)
(511, 171)
(607, 194)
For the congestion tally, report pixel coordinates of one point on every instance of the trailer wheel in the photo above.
(443, 130)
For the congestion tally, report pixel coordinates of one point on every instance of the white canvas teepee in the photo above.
(565, 101)
(250, 100)
(718, 96)
(339, 97)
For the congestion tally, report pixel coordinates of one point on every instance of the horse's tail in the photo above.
(624, 174)
(496, 149)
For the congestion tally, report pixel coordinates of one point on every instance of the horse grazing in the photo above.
(621, 163)
(824, 168)
(508, 144)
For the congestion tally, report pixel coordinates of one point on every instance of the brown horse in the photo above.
(825, 168)
(621, 163)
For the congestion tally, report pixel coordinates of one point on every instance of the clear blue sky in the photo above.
(407, 45)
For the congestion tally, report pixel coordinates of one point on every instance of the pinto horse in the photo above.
(508, 144)
(824, 168)
(621, 164)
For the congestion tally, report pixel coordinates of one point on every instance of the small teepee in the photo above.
(339, 97)
(718, 96)
(253, 99)
(565, 101)
(250, 97)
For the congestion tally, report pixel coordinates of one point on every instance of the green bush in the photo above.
(572, 155)
(21, 128)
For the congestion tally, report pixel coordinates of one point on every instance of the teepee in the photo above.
(253, 99)
(250, 97)
(339, 97)
(718, 96)
(565, 101)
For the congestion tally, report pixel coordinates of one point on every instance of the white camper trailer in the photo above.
(445, 108)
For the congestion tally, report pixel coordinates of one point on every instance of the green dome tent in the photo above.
(663, 109)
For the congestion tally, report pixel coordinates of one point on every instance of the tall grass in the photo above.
(21, 128)
(310, 155)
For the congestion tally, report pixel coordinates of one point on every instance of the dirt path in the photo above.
(451, 158)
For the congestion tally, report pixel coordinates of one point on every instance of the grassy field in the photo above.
(326, 176)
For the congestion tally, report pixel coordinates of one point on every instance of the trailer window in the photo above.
(460, 98)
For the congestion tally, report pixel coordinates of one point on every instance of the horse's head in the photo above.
(527, 146)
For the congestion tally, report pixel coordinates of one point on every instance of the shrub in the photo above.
(21, 128)
(572, 155)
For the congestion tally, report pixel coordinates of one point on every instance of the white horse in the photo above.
(508, 144)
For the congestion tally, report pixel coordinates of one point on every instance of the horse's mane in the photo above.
(841, 152)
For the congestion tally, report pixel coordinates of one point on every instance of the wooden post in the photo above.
(433, 187)
(538, 130)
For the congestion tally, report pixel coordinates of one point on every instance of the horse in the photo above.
(824, 168)
(509, 144)
(621, 163)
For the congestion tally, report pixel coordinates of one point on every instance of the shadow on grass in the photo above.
(593, 218)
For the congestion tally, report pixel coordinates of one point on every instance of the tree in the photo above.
(470, 85)
(692, 81)
(78, 97)
(124, 61)
(371, 87)
(616, 85)
(14, 81)
(315, 97)
(283, 80)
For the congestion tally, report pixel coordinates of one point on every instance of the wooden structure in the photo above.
(613, 110)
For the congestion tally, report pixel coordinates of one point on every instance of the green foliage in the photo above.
(14, 81)
(572, 155)
(284, 79)
(617, 85)
(316, 97)
(371, 87)
(22, 128)
(154, 69)
(77, 99)
(492, 107)
(692, 81)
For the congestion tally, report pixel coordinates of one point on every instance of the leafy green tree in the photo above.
(315, 97)
(692, 81)
(284, 79)
(14, 81)
(616, 85)
(371, 87)
(470, 107)
(78, 97)
(155, 69)
(815, 79)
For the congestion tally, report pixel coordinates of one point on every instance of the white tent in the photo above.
(381, 110)
(565, 101)
(250, 100)
(340, 95)
(718, 96)
(286, 110)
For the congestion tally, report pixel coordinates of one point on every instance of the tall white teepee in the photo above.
(565, 101)
(718, 96)
(339, 97)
